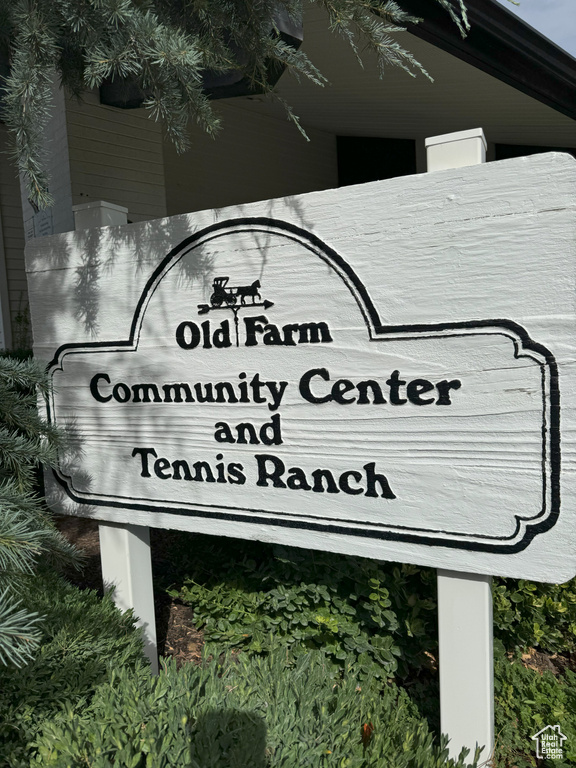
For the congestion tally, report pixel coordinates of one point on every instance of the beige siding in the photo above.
(255, 157)
(13, 242)
(116, 155)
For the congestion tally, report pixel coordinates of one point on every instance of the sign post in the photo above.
(373, 370)
(465, 623)
(127, 566)
(466, 661)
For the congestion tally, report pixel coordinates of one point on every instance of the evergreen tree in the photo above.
(27, 531)
(163, 46)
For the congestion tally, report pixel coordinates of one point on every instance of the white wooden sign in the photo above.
(374, 370)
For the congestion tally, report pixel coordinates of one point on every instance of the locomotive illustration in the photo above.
(233, 295)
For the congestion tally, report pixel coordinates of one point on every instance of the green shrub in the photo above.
(381, 614)
(264, 596)
(307, 712)
(250, 712)
(384, 613)
(525, 702)
(82, 637)
(535, 615)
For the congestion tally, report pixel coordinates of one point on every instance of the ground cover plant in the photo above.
(319, 700)
(82, 638)
(527, 615)
(251, 712)
(250, 595)
(527, 700)
(258, 597)
(383, 616)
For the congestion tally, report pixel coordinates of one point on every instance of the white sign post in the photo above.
(374, 370)
(465, 623)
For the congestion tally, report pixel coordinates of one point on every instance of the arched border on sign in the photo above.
(524, 346)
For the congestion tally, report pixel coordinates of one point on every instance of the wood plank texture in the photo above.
(401, 363)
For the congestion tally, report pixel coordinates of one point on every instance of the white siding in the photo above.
(115, 155)
(255, 157)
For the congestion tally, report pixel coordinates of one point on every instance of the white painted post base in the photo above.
(465, 639)
(127, 565)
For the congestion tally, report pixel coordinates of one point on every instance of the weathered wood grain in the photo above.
(460, 281)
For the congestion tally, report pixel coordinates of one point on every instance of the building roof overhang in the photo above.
(504, 77)
(502, 45)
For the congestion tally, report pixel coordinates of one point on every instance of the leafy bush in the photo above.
(535, 615)
(250, 712)
(261, 596)
(298, 705)
(381, 614)
(82, 638)
(525, 702)
(255, 595)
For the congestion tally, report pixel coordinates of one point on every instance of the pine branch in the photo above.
(28, 535)
(19, 456)
(23, 374)
(19, 633)
(457, 11)
(162, 47)
(20, 545)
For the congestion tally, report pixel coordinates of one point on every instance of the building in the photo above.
(504, 77)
